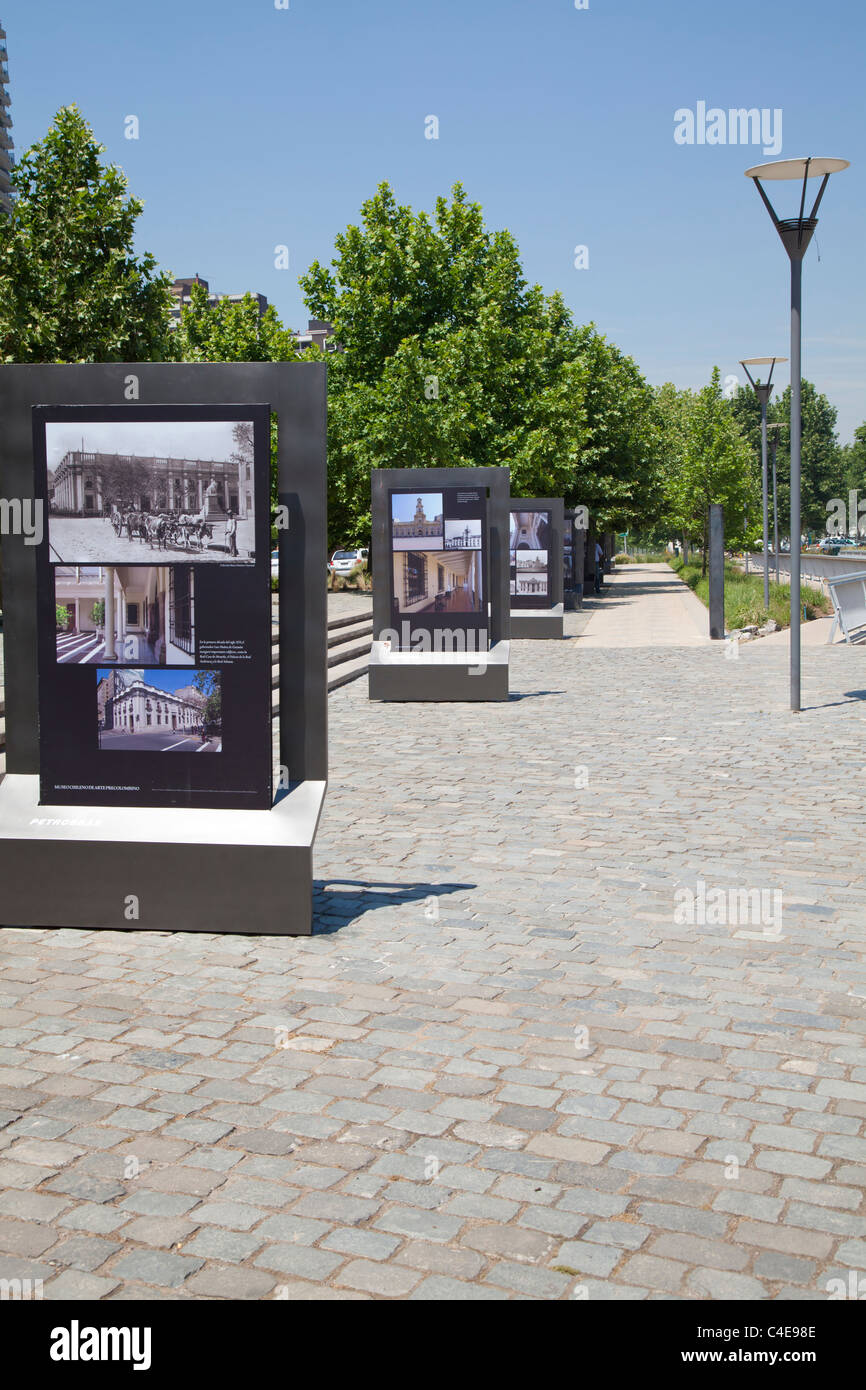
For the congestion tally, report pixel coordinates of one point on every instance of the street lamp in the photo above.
(763, 391)
(796, 233)
(774, 441)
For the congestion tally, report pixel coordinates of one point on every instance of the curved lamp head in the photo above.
(796, 232)
(761, 390)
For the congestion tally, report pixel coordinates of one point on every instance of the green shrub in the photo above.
(744, 597)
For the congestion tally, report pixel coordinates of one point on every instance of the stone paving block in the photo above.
(696, 1250)
(32, 1206)
(25, 1238)
(585, 1258)
(96, 1219)
(368, 1245)
(772, 1265)
(76, 1284)
(387, 1280)
(722, 1284)
(528, 1281)
(664, 1274)
(441, 1259)
(159, 1231)
(84, 1252)
(439, 1289)
(423, 1225)
(213, 1243)
(157, 1267)
(301, 1261)
(625, 1235)
(232, 1283)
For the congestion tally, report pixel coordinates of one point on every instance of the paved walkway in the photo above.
(645, 606)
(508, 1065)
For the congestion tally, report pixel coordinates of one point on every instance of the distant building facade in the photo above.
(89, 484)
(317, 334)
(180, 293)
(7, 144)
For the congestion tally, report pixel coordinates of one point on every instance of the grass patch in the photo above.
(744, 597)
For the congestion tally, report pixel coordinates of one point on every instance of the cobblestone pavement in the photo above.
(502, 1068)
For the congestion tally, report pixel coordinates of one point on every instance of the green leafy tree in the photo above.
(234, 332)
(708, 461)
(207, 683)
(71, 287)
(449, 358)
(823, 466)
(854, 465)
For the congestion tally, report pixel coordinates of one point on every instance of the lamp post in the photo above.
(763, 390)
(796, 234)
(774, 443)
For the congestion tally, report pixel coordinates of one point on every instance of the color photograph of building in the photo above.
(449, 581)
(125, 613)
(416, 522)
(140, 710)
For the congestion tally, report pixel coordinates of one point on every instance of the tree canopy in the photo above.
(449, 357)
(71, 287)
(708, 460)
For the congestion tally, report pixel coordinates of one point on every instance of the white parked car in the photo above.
(343, 561)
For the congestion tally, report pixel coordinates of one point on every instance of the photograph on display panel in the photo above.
(439, 560)
(530, 533)
(140, 710)
(129, 492)
(151, 609)
(568, 575)
(154, 618)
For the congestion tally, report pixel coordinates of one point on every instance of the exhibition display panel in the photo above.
(573, 542)
(141, 786)
(536, 567)
(440, 577)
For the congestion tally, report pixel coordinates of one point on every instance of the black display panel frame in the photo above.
(106, 725)
(298, 399)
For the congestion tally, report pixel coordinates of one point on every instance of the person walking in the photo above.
(232, 534)
(599, 560)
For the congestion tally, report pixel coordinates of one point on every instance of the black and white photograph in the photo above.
(147, 711)
(125, 614)
(463, 535)
(416, 521)
(530, 530)
(530, 572)
(134, 491)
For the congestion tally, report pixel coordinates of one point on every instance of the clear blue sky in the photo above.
(261, 127)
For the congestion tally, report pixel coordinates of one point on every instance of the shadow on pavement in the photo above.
(356, 896)
(532, 694)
